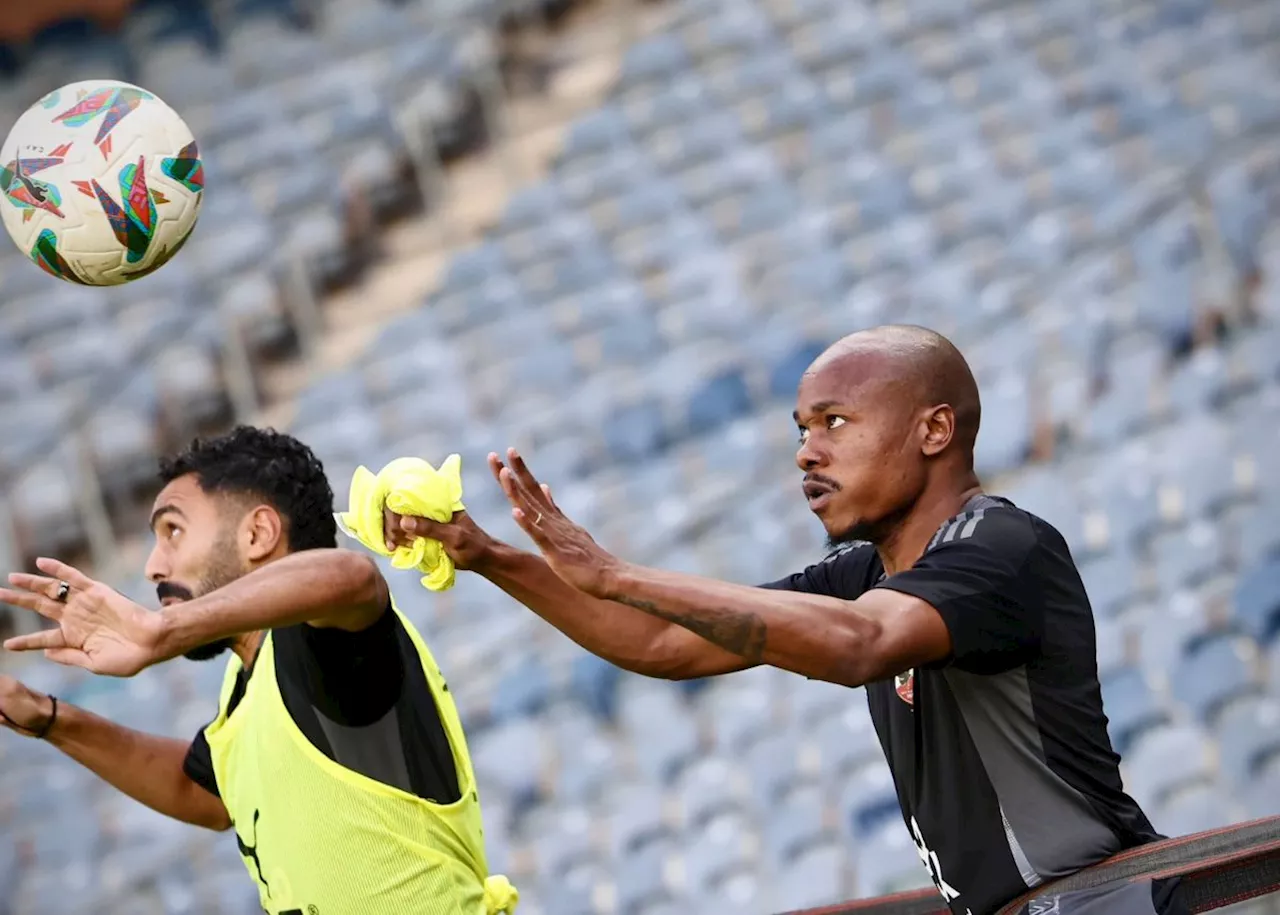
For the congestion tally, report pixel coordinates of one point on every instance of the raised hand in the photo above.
(98, 628)
(568, 548)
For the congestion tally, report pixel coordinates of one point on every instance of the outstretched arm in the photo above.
(880, 634)
(103, 631)
(624, 636)
(148, 769)
(849, 642)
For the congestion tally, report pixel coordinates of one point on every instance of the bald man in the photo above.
(963, 616)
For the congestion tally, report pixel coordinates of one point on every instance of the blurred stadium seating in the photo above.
(1082, 193)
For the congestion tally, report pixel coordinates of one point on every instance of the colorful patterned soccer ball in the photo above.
(102, 183)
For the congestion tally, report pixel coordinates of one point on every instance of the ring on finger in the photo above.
(63, 590)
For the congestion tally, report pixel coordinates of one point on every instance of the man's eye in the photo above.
(802, 435)
(835, 422)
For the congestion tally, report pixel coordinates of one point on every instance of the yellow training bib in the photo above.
(320, 839)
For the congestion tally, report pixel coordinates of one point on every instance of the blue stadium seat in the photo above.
(1248, 734)
(867, 800)
(512, 758)
(595, 682)
(662, 754)
(564, 840)
(706, 789)
(1130, 706)
(1186, 558)
(572, 895)
(124, 449)
(522, 692)
(588, 767)
(774, 767)
(887, 862)
(1005, 438)
(713, 854)
(1172, 629)
(718, 401)
(1195, 810)
(796, 826)
(738, 717)
(640, 877)
(636, 432)
(1166, 760)
(1262, 796)
(1257, 599)
(637, 820)
(655, 60)
(1215, 672)
(1110, 580)
(844, 742)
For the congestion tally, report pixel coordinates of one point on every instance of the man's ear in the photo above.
(263, 532)
(939, 429)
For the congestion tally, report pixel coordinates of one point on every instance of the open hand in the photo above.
(568, 548)
(98, 628)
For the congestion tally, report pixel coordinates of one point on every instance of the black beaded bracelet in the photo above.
(44, 731)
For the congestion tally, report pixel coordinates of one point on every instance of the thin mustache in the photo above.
(819, 478)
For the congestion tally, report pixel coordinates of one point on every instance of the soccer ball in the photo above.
(102, 183)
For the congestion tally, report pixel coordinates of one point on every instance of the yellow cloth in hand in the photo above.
(407, 486)
(500, 895)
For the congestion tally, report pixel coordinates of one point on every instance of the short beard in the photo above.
(864, 531)
(209, 651)
(222, 569)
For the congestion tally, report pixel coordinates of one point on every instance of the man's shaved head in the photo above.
(919, 365)
(883, 412)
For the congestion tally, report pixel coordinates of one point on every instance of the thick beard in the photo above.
(209, 651)
(223, 568)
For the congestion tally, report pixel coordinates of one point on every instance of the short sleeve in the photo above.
(845, 574)
(199, 765)
(980, 577)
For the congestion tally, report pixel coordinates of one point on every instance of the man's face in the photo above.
(859, 446)
(197, 549)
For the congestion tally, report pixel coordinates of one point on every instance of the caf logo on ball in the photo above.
(102, 183)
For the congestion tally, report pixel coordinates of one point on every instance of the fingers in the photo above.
(523, 475)
(546, 492)
(71, 657)
(531, 526)
(31, 600)
(390, 526)
(413, 527)
(64, 572)
(37, 641)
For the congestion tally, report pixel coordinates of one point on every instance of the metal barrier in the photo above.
(1213, 869)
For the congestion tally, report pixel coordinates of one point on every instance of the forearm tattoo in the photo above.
(733, 630)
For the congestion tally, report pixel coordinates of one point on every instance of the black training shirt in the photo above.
(362, 699)
(1000, 754)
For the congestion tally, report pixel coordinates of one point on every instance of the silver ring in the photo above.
(537, 520)
(63, 590)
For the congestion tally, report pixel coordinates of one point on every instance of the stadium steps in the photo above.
(586, 52)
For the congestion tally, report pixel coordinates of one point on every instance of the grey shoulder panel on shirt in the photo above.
(1052, 828)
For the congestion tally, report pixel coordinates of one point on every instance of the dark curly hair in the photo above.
(267, 465)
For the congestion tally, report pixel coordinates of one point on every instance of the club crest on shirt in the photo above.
(905, 685)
